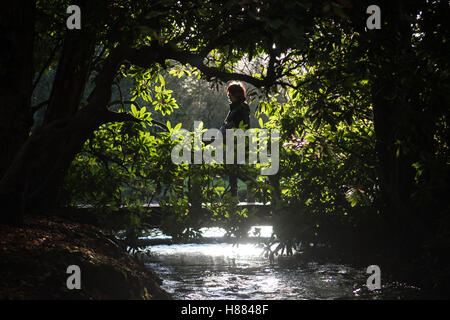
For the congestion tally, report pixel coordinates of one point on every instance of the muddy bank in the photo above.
(34, 261)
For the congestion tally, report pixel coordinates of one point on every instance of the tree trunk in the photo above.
(71, 76)
(16, 76)
(398, 123)
(35, 177)
(33, 180)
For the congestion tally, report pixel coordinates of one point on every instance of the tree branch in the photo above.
(35, 108)
(111, 116)
(46, 65)
(145, 56)
(155, 122)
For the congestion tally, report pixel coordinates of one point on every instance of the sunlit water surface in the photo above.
(224, 271)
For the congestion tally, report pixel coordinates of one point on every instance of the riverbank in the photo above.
(35, 257)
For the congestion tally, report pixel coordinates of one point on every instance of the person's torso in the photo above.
(239, 111)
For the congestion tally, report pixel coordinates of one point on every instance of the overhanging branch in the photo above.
(146, 56)
(112, 116)
(34, 109)
(155, 122)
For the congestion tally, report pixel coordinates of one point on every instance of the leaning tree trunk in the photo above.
(16, 76)
(71, 76)
(33, 174)
(32, 182)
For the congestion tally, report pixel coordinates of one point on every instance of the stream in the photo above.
(227, 271)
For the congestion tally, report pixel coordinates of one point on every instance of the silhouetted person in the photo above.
(239, 112)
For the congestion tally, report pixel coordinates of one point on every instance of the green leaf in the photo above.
(261, 124)
(134, 110)
(310, 138)
(161, 80)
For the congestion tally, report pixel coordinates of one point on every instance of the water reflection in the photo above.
(224, 271)
(212, 232)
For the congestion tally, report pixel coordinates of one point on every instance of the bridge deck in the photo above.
(262, 216)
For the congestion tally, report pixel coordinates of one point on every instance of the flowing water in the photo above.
(224, 271)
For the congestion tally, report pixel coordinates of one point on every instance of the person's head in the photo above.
(236, 91)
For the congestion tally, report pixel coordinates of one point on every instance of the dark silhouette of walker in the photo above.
(239, 114)
(238, 117)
